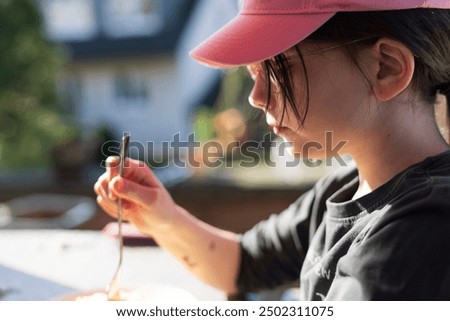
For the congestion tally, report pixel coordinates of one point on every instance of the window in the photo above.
(67, 20)
(131, 89)
(131, 17)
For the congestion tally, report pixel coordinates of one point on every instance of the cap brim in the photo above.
(251, 38)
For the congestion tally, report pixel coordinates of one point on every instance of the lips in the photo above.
(278, 130)
(272, 122)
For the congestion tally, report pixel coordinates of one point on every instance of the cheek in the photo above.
(335, 101)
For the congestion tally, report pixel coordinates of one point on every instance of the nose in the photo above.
(258, 96)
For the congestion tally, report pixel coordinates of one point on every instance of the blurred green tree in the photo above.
(30, 121)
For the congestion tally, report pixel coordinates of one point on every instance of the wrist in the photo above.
(169, 222)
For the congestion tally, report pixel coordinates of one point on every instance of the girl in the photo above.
(369, 72)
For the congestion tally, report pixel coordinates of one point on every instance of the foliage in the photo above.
(30, 123)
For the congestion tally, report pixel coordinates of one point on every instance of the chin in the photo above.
(301, 148)
(304, 153)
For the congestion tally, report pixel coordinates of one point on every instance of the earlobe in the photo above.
(394, 68)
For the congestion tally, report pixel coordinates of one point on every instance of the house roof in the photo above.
(175, 16)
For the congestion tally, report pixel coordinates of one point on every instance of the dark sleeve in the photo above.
(406, 259)
(273, 250)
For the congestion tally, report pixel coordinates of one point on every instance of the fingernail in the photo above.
(111, 161)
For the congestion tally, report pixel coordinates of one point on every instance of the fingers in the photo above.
(101, 186)
(134, 170)
(103, 199)
(110, 206)
(107, 205)
(140, 171)
(138, 187)
(133, 192)
(112, 170)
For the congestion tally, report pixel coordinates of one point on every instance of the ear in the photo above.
(392, 68)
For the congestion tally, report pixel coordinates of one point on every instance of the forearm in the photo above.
(213, 255)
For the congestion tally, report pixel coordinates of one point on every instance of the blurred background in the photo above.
(76, 74)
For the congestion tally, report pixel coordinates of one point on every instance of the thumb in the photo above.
(131, 191)
(112, 166)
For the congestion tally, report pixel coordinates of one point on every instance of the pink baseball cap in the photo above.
(265, 28)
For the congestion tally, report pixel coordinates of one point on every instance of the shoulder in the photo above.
(416, 216)
(422, 192)
(403, 253)
(407, 259)
(405, 256)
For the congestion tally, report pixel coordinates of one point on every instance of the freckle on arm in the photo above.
(187, 260)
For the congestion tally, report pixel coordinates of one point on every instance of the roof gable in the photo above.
(111, 39)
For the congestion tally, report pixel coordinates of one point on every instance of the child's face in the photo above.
(338, 95)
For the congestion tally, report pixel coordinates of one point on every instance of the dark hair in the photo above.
(426, 32)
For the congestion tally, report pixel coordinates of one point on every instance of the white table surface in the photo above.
(45, 264)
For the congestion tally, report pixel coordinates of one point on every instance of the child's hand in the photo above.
(145, 201)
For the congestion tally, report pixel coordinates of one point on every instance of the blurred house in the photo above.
(129, 69)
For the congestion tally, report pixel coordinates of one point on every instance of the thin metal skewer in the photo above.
(112, 290)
